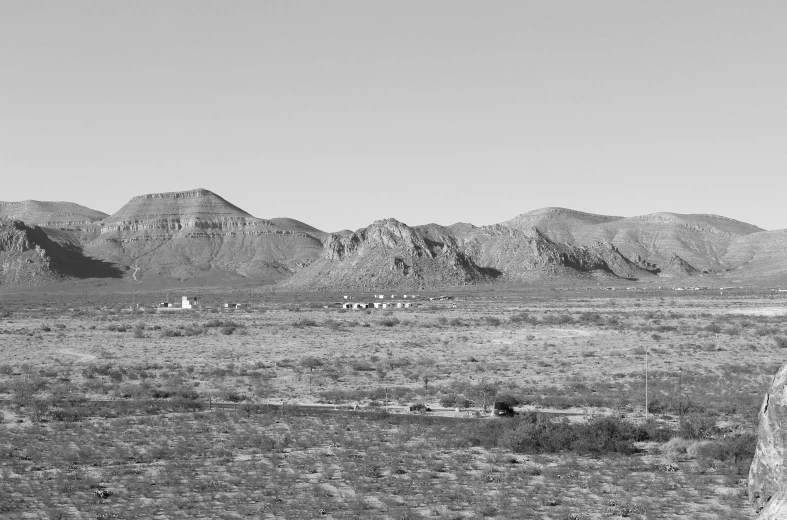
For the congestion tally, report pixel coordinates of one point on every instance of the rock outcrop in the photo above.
(388, 255)
(676, 266)
(28, 256)
(768, 473)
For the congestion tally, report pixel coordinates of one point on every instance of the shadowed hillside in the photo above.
(29, 257)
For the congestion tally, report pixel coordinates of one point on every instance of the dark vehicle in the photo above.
(502, 409)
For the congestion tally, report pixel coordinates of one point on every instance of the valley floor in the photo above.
(709, 360)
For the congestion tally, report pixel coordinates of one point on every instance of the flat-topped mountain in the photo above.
(57, 215)
(198, 208)
(198, 233)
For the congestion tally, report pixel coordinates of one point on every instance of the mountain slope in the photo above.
(196, 232)
(700, 240)
(759, 255)
(558, 223)
(524, 254)
(386, 255)
(28, 256)
(57, 215)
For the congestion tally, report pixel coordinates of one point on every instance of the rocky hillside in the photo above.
(193, 233)
(55, 215)
(758, 255)
(521, 255)
(28, 256)
(197, 235)
(702, 241)
(388, 254)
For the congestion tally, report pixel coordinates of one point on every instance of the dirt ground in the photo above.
(572, 352)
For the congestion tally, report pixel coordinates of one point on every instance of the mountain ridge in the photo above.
(196, 234)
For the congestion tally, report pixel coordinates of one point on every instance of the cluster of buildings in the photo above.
(376, 305)
(395, 302)
(193, 302)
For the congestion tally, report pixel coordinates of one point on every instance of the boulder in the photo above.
(768, 472)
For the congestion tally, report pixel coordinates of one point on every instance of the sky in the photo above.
(338, 113)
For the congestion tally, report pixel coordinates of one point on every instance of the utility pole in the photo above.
(646, 385)
(680, 397)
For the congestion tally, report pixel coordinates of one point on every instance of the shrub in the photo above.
(736, 449)
(234, 397)
(389, 322)
(455, 401)
(698, 427)
(304, 322)
(533, 433)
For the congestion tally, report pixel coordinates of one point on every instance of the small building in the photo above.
(233, 306)
(189, 302)
(359, 306)
(347, 305)
(386, 305)
(164, 305)
(378, 305)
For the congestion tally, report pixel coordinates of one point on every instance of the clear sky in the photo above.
(339, 113)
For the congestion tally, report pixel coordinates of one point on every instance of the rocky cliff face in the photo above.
(28, 256)
(388, 255)
(522, 254)
(768, 473)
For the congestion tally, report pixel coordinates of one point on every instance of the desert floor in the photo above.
(582, 353)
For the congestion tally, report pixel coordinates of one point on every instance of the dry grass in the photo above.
(577, 351)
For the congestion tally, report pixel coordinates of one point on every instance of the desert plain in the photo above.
(295, 408)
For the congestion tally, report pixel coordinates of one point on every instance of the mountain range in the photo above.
(198, 236)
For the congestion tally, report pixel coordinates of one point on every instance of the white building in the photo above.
(189, 302)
